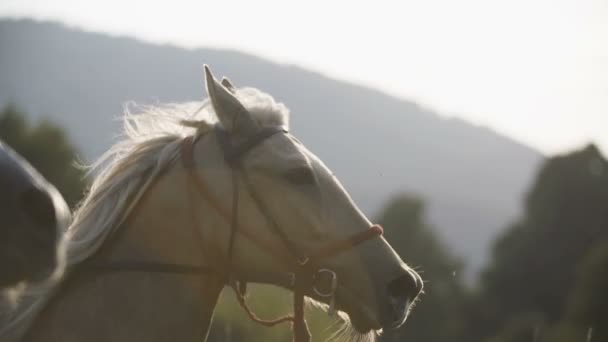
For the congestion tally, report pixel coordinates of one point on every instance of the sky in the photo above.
(534, 70)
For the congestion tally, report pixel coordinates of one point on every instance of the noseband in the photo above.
(307, 276)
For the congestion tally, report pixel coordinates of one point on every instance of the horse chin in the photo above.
(360, 317)
(361, 324)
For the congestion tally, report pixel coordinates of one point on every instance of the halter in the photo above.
(306, 275)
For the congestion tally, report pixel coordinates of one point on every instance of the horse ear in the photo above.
(226, 83)
(233, 116)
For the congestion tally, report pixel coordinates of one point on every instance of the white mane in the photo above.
(151, 141)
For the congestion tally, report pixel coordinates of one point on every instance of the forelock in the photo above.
(263, 107)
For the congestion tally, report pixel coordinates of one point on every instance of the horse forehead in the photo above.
(286, 149)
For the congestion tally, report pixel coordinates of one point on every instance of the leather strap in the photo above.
(149, 267)
(233, 153)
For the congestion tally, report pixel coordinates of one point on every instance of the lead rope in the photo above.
(267, 323)
(301, 333)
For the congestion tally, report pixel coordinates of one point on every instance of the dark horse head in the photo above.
(33, 216)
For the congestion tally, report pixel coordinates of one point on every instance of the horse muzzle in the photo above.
(401, 293)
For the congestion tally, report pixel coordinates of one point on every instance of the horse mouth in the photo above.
(365, 319)
(361, 324)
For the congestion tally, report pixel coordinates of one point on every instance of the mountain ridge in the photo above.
(472, 177)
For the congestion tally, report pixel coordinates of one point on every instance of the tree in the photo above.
(437, 317)
(534, 267)
(47, 148)
(586, 314)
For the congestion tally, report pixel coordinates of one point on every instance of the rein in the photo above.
(307, 276)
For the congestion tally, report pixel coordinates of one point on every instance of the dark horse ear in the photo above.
(231, 113)
(226, 83)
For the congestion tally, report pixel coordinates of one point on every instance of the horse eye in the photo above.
(300, 176)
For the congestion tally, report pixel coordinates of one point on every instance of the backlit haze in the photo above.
(536, 71)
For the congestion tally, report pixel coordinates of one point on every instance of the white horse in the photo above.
(174, 215)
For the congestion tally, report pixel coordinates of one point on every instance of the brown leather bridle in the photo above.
(306, 268)
(307, 276)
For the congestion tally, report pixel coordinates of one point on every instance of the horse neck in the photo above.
(134, 306)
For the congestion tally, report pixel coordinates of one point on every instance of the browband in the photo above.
(232, 153)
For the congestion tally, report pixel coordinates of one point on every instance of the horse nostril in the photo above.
(402, 292)
(406, 287)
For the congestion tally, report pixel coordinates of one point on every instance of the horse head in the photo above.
(289, 199)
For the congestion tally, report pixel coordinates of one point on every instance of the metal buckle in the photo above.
(303, 261)
(333, 285)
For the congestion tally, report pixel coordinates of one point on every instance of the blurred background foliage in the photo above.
(547, 279)
(46, 146)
